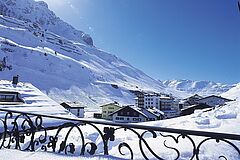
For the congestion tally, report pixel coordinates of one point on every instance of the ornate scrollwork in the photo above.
(27, 132)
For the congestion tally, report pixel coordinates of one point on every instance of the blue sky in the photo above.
(167, 39)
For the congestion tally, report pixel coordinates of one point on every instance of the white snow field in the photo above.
(47, 52)
(64, 63)
(19, 155)
(56, 58)
(225, 119)
(202, 88)
(34, 100)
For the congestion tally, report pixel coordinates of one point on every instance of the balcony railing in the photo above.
(34, 132)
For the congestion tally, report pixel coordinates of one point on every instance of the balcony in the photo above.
(33, 132)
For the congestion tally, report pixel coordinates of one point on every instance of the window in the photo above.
(128, 119)
(137, 119)
(7, 98)
(104, 111)
(78, 112)
(128, 113)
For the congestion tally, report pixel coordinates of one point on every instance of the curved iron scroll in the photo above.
(27, 132)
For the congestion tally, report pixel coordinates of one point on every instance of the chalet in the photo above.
(132, 114)
(193, 100)
(10, 98)
(108, 109)
(75, 108)
(214, 100)
(190, 109)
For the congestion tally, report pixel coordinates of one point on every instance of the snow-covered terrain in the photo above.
(39, 14)
(34, 100)
(45, 51)
(223, 119)
(62, 62)
(203, 88)
(19, 155)
(233, 93)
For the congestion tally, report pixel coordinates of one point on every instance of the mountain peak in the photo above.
(47, 52)
(39, 13)
(203, 88)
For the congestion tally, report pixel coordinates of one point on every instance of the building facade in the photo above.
(139, 100)
(133, 114)
(193, 100)
(151, 101)
(128, 115)
(75, 108)
(9, 97)
(214, 100)
(109, 109)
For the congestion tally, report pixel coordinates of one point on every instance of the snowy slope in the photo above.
(66, 68)
(39, 14)
(233, 93)
(204, 88)
(34, 100)
(224, 119)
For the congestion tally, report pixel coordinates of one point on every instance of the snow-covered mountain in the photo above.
(233, 93)
(55, 57)
(39, 14)
(203, 88)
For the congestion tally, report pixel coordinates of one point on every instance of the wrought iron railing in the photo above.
(31, 132)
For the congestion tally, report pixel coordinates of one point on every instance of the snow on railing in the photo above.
(35, 132)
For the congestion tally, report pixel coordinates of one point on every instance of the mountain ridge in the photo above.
(204, 87)
(63, 64)
(38, 13)
(65, 69)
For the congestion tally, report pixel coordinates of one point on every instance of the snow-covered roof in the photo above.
(195, 96)
(155, 111)
(148, 113)
(198, 106)
(72, 105)
(113, 103)
(137, 109)
(34, 100)
(219, 97)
